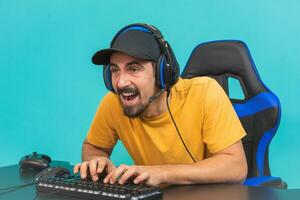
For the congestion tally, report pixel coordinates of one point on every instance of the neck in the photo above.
(157, 107)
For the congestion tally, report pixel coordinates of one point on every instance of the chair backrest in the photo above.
(259, 111)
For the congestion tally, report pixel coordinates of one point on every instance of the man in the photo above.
(196, 140)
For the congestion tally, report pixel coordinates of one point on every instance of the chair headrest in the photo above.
(229, 57)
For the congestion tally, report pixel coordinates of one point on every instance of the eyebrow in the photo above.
(128, 64)
(134, 62)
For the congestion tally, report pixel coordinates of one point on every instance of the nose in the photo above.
(123, 80)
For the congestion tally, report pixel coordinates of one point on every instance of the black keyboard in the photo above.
(73, 185)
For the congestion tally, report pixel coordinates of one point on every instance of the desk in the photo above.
(12, 176)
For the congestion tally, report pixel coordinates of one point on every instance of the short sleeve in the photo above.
(221, 127)
(102, 132)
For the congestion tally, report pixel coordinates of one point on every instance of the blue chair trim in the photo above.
(261, 150)
(256, 104)
(258, 181)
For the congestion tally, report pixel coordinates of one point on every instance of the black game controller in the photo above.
(35, 161)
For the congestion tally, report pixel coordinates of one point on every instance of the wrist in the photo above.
(92, 157)
(165, 174)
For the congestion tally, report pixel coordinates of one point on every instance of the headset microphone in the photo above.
(152, 98)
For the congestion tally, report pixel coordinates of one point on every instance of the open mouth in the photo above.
(128, 98)
(128, 95)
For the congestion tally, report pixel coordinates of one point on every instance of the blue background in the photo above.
(49, 89)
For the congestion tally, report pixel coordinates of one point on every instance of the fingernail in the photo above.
(135, 181)
(105, 180)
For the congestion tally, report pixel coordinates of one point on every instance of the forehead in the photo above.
(118, 58)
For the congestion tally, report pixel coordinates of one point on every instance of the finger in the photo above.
(101, 165)
(83, 170)
(76, 168)
(108, 177)
(131, 172)
(110, 166)
(141, 178)
(117, 173)
(93, 169)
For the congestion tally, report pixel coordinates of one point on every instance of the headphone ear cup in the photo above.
(174, 68)
(160, 72)
(167, 74)
(107, 78)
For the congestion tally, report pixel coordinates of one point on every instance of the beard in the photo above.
(132, 111)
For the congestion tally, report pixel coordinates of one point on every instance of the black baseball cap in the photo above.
(133, 42)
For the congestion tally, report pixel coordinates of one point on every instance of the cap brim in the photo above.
(102, 57)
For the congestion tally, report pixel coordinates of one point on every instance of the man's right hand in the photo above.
(96, 166)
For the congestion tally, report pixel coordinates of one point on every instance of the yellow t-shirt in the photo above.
(202, 111)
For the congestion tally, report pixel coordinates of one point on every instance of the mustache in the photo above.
(127, 90)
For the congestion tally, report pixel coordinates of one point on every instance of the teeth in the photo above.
(127, 94)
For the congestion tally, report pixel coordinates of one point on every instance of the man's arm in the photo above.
(228, 165)
(90, 151)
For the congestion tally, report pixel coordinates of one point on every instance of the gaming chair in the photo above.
(259, 111)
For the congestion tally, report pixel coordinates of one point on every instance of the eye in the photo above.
(134, 68)
(114, 70)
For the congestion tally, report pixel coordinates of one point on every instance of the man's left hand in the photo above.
(151, 175)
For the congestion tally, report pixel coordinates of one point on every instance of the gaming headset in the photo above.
(167, 68)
